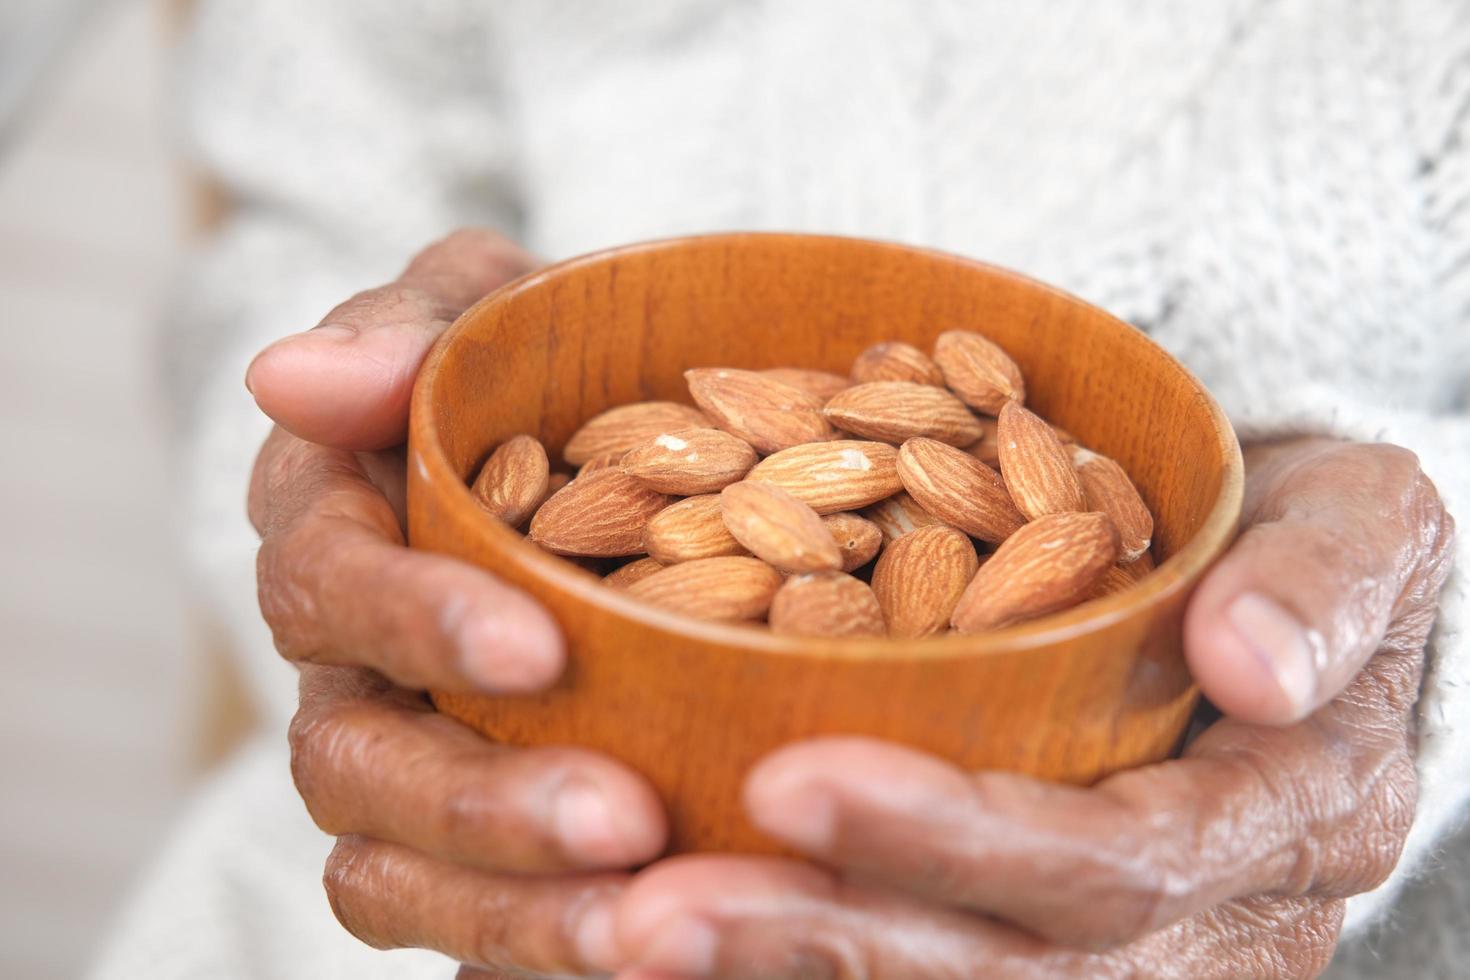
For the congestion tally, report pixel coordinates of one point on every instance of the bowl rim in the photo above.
(1180, 571)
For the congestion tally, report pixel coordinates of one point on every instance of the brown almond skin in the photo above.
(920, 578)
(602, 461)
(766, 413)
(987, 448)
(514, 480)
(690, 461)
(893, 360)
(554, 483)
(898, 515)
(619, 429)
(826, 604)
(978, 371)
(1036, 466)
(1106, 487)
(778, 528)
(821, 385)
(730, 589)
(1049, 565)
(893, 411)
(958, 489)
(689, 530)
(843, 474)
(635, 571)
(600, 515)
(857, 538)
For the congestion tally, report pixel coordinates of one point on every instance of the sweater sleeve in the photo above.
(1438, 110)
(343, 137)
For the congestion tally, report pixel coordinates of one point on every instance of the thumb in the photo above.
(1336, 535)
(347, 382)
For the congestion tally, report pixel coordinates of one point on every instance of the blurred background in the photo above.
(104, 719)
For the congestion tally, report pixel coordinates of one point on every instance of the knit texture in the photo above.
(1279, 192)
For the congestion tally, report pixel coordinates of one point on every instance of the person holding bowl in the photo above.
(1277, 196)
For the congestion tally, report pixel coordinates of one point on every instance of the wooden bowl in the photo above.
(692, 704)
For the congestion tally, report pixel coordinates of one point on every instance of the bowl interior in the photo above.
(544, 354)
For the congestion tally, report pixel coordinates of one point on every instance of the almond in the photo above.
(920, 578)
(976, 369)
(514, 479)
(601, 515)
(826, 604)
(721, 589)
(1140, 567)
(1050, 564)
(898, 515)
(987, 449)
(896, 361)
(832, 476)
(1106, 487)
(620, 429)
(958, 489)
(635, 571)
(602, 461)
(1037, 468)
(893, 411)
(857, 539)
(821, 385)
(778, 528)
(766, 413)
(689, 530)
(554, 483)
(690, 461)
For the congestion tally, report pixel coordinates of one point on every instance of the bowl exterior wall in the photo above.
(691, 705)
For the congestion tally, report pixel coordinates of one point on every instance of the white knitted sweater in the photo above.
(1279, 192)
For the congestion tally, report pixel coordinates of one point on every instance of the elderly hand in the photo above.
(497, 857)
(1231, 861)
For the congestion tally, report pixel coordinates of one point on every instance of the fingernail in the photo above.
(593, 933)
(584, 824)
(495, 655)
(1280, 643)
(686, 946)
(799, 814)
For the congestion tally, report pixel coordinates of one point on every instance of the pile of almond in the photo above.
(772, 499)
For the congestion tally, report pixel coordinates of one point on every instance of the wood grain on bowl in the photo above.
(1072, 696)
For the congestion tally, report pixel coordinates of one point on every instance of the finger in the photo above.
(337, 586)
(1338, 537)
(392, 897)
(347, 382)
(735, 918)
(370, 760)
(1321, 808)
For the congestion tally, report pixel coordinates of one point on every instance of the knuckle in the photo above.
(273, 479)
(491, 932)
(287, 602)
(343, 881)
(488, 249)
(1154, 876)
(1304, 938)
(465, 812)
(1378, 846)
(329, 746)
(394, 303)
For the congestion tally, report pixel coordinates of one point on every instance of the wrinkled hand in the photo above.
(1231, 861)
(496, 857)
